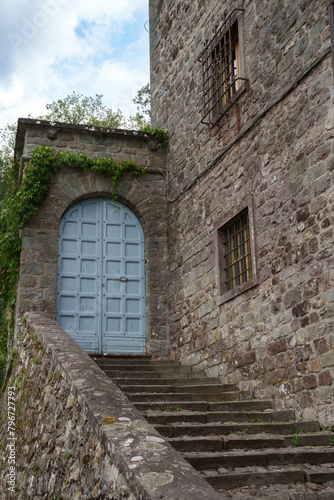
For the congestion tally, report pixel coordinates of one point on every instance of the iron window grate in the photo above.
(221, 68)
(237, 253)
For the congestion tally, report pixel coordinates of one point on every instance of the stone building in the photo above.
(93, 263)
(236, 214)
(245, 89)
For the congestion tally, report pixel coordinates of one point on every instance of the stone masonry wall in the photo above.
(144, 195)
(281, 39)
(75, 435)
(57, 453)
(272, 151)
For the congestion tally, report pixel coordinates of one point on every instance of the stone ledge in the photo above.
(50, 131)
(152, 468)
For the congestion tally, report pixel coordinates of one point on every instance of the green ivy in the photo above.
(23, 202)
(158, 133)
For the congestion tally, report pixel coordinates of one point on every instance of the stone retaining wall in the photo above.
(77, 436)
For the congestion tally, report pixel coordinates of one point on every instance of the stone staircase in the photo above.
(232, 439)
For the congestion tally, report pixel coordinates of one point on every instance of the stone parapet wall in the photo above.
(77, 435)
(144, 195)
(95, 142)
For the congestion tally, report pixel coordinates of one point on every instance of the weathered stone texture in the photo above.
(57, 450)
(77, 435)
(273, 151)
(267, 338)
(144, 195)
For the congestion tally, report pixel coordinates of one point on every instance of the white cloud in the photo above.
(48, 48)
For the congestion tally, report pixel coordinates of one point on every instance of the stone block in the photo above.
(47, 282)
(314, 365)
(321, 345)
(301, 309)
(277, 346)
(31, 269)
(321, 185)
(327, 360)
(317, 28)
(310, 381)
(28, 281)
(65, 136)
(31, 294)
(301, 45)
(86, 139)
(292, 297)
(325, 378)
(276, 376)
(323, 396)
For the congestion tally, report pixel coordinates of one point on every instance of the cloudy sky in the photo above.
(50, 48)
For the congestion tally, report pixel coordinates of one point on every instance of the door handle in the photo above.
(123, 278)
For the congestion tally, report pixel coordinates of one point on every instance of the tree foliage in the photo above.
(7, 143)
(143, 116)
(78, 109)
(81, 110)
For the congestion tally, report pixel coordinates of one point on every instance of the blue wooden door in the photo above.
(101, 277)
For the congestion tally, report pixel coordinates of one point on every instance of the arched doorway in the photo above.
(101, 277)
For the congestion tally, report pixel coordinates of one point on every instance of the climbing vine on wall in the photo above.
(159, 133)
(22, 202)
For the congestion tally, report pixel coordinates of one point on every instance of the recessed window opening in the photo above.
(237, 256)
(222, 68)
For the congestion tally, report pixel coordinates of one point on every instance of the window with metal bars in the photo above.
(236, 241)
(236, 265)
(223, 69)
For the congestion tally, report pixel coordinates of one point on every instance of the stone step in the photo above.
(192, 387)
(189, 444)
(230, 438)
(254, 476)
(175, 380)
(141, 358)
(252, 417)
(143, 397)
(325, 493)
(322, 438)
(253, 442)
(243, 407)
(151, 368)
(227, 416)
(195, 424)
(320, 474)
(165, 421)
(173, 406)
(250, 405)
(263, 458)
(280, 474)
(148, 363)
(276, 441)
(162, 374)
(205, 406)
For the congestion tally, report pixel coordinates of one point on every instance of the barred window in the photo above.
(236, 267)
(223, 69)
